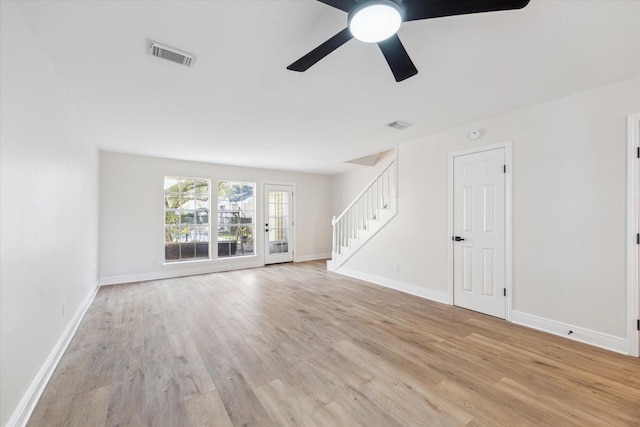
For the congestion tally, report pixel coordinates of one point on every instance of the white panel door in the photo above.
(479, 274)
(278, 215)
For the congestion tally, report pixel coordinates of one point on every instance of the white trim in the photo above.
(450, 228)
(164, 210)
(28, 402)
(508, 239)
(407, 288)
(294, 219)
(508, 247)
(397, 177)
(314, 257)
(188, 269)
(181, 269)
(586, 336)
(633, 216)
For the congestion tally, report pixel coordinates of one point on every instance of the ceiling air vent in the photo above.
(399, 125)
(171, 53)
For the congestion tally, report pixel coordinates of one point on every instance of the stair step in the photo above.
(363, 234)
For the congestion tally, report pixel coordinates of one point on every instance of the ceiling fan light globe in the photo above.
(375, 21)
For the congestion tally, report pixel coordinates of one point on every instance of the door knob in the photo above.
(458, 238)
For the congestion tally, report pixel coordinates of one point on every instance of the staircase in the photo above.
(374, 207)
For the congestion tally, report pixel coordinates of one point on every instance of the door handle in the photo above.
(457, 238)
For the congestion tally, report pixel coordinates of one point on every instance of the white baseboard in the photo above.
(407, 288)
(131, 278)
(28, 402)
(583, 335)
(312, 257)
(171, 271)
(586, 336)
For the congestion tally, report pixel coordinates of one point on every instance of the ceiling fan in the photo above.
(377, 21)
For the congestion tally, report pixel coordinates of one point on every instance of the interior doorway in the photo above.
(479, 200)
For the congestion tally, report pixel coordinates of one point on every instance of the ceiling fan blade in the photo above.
(345, 5)
(398, 59)
(321, 51)
(424, 9)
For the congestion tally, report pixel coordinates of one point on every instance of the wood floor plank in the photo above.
(89, 408)
(408, 407)
(244, 357)
(192, 373)
(207, 410)
(236, 392)
(486, 409)
(131, 333)
(164, 402)
(565, 414)
(294, 344)
(128, 400)
(50, 411)
(332, 414)
(283, 406)
(308, 385)
(443, 409)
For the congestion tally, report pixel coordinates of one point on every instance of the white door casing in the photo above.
(479, 230)
(278, 218)
(633, 230)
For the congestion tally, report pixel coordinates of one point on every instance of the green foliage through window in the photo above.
(186, 218)
(236, 214)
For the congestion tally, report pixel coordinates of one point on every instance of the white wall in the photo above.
(569, 208)
(48, 195)
(132, 215)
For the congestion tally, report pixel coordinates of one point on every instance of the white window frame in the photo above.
(232, 251)
(195, 224)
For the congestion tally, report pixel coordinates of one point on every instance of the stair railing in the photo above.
(364, 208)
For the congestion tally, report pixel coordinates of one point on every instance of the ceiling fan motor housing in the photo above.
(375, 20)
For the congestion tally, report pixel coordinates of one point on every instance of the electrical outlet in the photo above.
(397, 268)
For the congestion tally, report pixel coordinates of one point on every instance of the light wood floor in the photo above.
(293, 344)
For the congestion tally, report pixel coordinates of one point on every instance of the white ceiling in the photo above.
(239, 105)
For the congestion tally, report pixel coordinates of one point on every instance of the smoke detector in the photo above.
(169, 53)
(475, 134)
(399, 125)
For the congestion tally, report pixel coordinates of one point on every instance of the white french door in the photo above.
(278, 218)
(479, 230)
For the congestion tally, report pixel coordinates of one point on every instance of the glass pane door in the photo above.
(278, 223)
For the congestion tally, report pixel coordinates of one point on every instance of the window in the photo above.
(186, 218)
(236, 213)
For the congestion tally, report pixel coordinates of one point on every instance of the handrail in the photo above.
(375, 197)
(363, 192)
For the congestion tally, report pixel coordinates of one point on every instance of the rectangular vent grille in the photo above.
(399, 125)
(171, 54)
